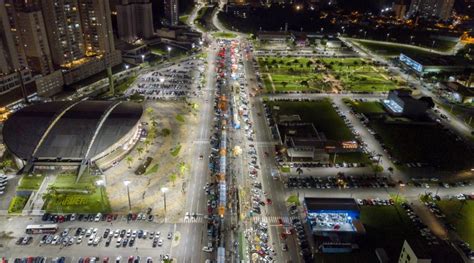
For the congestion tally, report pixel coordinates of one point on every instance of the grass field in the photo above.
(391, 50)
(161, 49)
(66, 196)
(32, 182)
(320, 113)
(306, 74)
(409, 142)
(426, 144)
(224, 35)
(17, 204)
(461, 216)
(366, 107)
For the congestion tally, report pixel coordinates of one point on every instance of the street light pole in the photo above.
(128, 194)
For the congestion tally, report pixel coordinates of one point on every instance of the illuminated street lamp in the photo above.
(388, 34)
(126, 183)
(143, 58)
(169, 52)
(411, 39)
(126, 66)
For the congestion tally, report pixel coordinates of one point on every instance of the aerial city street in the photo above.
(196, 131)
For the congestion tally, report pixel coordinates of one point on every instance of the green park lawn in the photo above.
(66, 196)
(369, 107)
(409, 142)
(391, 50)
(461, 216)
(426, 144)
(300, 74)
(17, 204)
(224, 35)
(30, 182)
(320, 113)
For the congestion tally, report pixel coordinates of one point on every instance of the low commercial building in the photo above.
(277, 37)
(457, 92)
(423, 64)
(303, 141)
(400, 103)
(89, 66)
(334, 222)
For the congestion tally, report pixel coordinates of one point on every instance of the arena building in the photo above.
(66, 134)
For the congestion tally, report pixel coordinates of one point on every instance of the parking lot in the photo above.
(179, 80)
(115, 238)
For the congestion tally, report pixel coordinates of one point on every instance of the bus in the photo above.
(41, 229)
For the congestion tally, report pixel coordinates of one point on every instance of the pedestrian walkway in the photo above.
(429, 219)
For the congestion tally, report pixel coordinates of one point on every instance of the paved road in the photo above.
(189, 250)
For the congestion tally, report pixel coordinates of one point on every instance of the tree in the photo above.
(129, 161)
(377, 168)
(147, 144)
(140, 151)
(304, 83)
(173, 178)
(149, 111)
(183, 168)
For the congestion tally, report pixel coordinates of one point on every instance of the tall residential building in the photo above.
(14, 72)
(400, 9)
(96, 23)
(80, 37)
(432, 8)
(134, 20)
(64, 30)
(171, 12)
(35, 41)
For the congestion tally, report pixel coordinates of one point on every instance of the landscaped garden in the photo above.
(65, 195)
(324, 75)
(30, 182)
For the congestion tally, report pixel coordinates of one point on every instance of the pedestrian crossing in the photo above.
(273, 219)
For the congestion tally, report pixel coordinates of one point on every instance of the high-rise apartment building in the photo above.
(14, 72)
(64, 30)
(35, 41)
(400, 9)
(171, 12)
(96, 24)
(80, 36)
(134, 20)
(441, 9)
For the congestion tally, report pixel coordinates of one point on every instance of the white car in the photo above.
(98, 217)
(207, 249)
(160, 242)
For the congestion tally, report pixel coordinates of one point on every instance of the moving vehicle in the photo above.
(41, 229)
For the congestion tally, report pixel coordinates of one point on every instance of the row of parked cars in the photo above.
(425, 232)
(338, 182)
(58, 218)
(3, 183)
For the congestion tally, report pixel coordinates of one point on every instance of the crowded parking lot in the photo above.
(177, 81)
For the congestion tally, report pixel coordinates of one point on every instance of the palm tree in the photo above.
(129, 161)
(173, 178)
(183, 168)
(140, 151)
(147, 144)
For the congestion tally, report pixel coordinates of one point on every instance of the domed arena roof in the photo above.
(69, 131)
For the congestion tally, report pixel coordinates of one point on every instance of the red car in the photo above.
(282, 236)
(269, 201)
(109, 218)
(134, 216)
(280, 221)
(105, 260)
